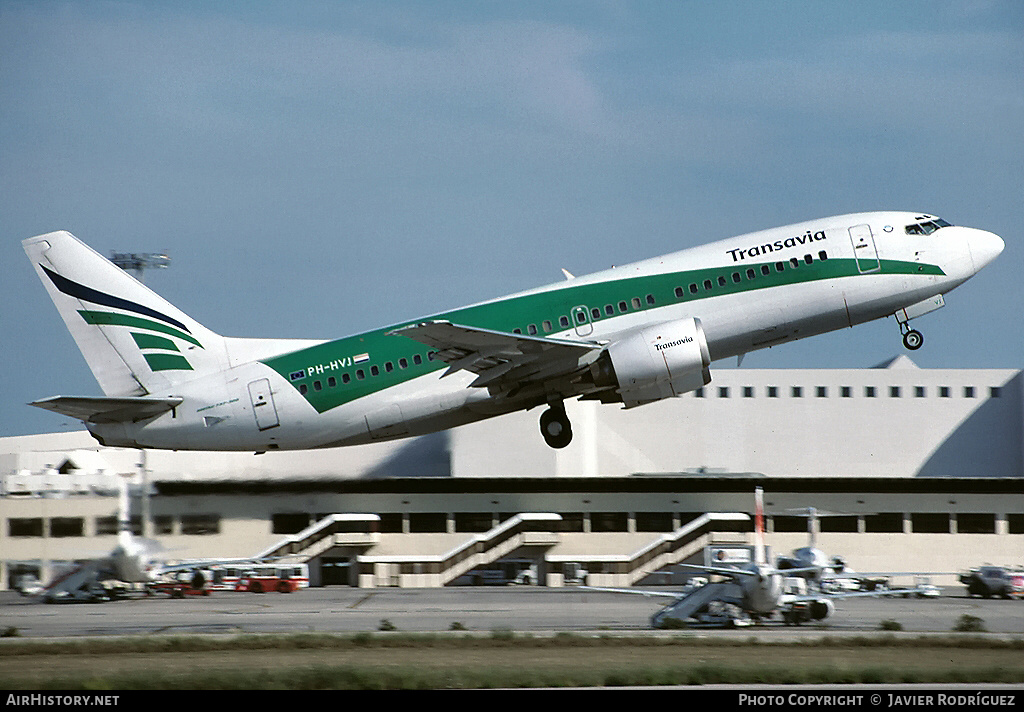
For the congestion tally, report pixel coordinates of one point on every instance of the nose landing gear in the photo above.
(555, 426)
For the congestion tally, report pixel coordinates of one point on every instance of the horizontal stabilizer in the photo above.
(108, 410)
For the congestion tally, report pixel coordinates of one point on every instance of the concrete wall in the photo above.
(960, 428)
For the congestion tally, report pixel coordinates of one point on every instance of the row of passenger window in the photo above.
(360, 374)
(751, 273)
(847, 392)
(580, 315)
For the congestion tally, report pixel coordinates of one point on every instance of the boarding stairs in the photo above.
(528, 529)
(665, 550)
(696, 602)
(356, 530)
(81, 583)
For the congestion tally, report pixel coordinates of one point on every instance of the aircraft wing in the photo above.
(720, 570)
(499, 358)
(636, 592)
(808, 598)
(108, 410)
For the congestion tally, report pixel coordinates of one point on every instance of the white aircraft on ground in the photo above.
(631, 335)
(762, 585)
(758, 589)
(133, 560)
(833, 575)
(817, 568)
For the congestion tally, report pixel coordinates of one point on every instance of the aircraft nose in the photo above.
(985, 247)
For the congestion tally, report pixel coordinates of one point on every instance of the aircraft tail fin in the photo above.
(134, 340)
(759, 553)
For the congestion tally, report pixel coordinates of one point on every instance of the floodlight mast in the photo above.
(137, 262)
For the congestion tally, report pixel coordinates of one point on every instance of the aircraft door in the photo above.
(581, 320)
(263, 404)
(864, 250)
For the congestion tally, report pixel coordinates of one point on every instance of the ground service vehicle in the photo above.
(283, 579)
(988, 581)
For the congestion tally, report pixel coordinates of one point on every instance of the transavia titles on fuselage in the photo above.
(631, 335)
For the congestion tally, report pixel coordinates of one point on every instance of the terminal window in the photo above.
(929, 522)
(288, 522)
(108, 525)
(884, 523)
(846, 524)
(25, 526)
(571, 522)
(67, 526)
(391, 522)
(472, 521)
(975, 523)
(200, 524)
(654, 521)
(789, 523)
(428, 522)
(608, 522)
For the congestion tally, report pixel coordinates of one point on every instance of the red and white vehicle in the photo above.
(283, 578)
(250, 576)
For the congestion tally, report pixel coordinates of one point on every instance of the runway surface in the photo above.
(514, 608)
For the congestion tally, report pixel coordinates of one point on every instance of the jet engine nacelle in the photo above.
(657, 362)
(821, 609)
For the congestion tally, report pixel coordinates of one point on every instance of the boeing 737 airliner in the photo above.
(631, 335)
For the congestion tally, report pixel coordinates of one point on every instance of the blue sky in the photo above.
(316, 169)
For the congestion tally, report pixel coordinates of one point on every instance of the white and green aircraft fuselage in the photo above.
(630, 335)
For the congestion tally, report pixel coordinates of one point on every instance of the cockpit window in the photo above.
(926, 227)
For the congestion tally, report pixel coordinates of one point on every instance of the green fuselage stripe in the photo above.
(318, 371)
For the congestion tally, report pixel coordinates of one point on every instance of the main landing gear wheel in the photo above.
(555, 427)
(913, 340)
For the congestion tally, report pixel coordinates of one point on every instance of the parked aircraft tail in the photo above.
(759, 553)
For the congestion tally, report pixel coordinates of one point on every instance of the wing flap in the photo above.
(107, 409)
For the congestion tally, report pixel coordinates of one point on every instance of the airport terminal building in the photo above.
(919, 469)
